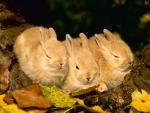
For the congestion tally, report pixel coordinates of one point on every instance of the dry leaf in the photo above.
(4, 78)
(26, 99)
(9, 99)
(12, 108)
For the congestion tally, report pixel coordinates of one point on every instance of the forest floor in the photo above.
(12, 24)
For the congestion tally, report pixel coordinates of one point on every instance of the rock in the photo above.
(146, 55)
(18, 78)
(5, 58)
(9, 35)
(6, 14)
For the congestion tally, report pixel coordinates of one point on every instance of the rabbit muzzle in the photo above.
(126, 69)
(91, 77)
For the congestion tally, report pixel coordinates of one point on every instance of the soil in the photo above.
(12, 24)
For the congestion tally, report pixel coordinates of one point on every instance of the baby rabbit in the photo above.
(83, 70)
(114, 58)
(41, 56)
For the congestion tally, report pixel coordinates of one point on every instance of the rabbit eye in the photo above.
(77, 67)
(114, 55)
(45, 52)
(81, 44)
(48, 56)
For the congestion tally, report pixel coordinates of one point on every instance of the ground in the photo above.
(11, 25)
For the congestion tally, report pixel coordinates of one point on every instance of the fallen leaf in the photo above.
(57, 97)
(62, 100)
(34, 88)
(141, 101)
(9, 99)
(38, 111)
(2, 103)
(26, 99)
(93, 109)
(12, 108)
(4, 78)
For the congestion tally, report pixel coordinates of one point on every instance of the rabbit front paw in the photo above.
(102, 87)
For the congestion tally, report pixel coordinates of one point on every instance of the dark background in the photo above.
(130, 18)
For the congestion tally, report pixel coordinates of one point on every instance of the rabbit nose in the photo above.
(88, 79)
(130, 63)
(61, 64)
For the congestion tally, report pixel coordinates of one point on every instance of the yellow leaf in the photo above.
(57, 97)
(12, 108)
(141, 101)
(62, 100)
(81, 112)
(97, 109)
(145, 18)
(136, 94)
(2, 103)
(93, 109)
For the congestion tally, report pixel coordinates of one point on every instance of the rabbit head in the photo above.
(115, 50)
(54, 51)
(82, 64)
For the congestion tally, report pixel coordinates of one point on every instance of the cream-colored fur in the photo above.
(41, 56)
(83, 70)
(114, 58)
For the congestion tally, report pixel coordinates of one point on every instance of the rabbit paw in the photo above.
(67, 92)
(102, 87)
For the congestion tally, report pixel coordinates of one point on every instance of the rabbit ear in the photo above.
(84, 40)
(100, 42)
(43, 38)
(69, 44)
(108, 34)
(52, 33)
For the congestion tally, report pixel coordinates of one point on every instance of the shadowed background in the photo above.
(130, 18)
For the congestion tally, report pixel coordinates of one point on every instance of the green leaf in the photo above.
(119, 110)
(133, 111)
(83, 91)
(6, 111)
(62, 100)
(57, 97)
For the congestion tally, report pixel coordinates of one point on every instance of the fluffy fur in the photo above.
(83, 69)
(41, 56)
(114, 58)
